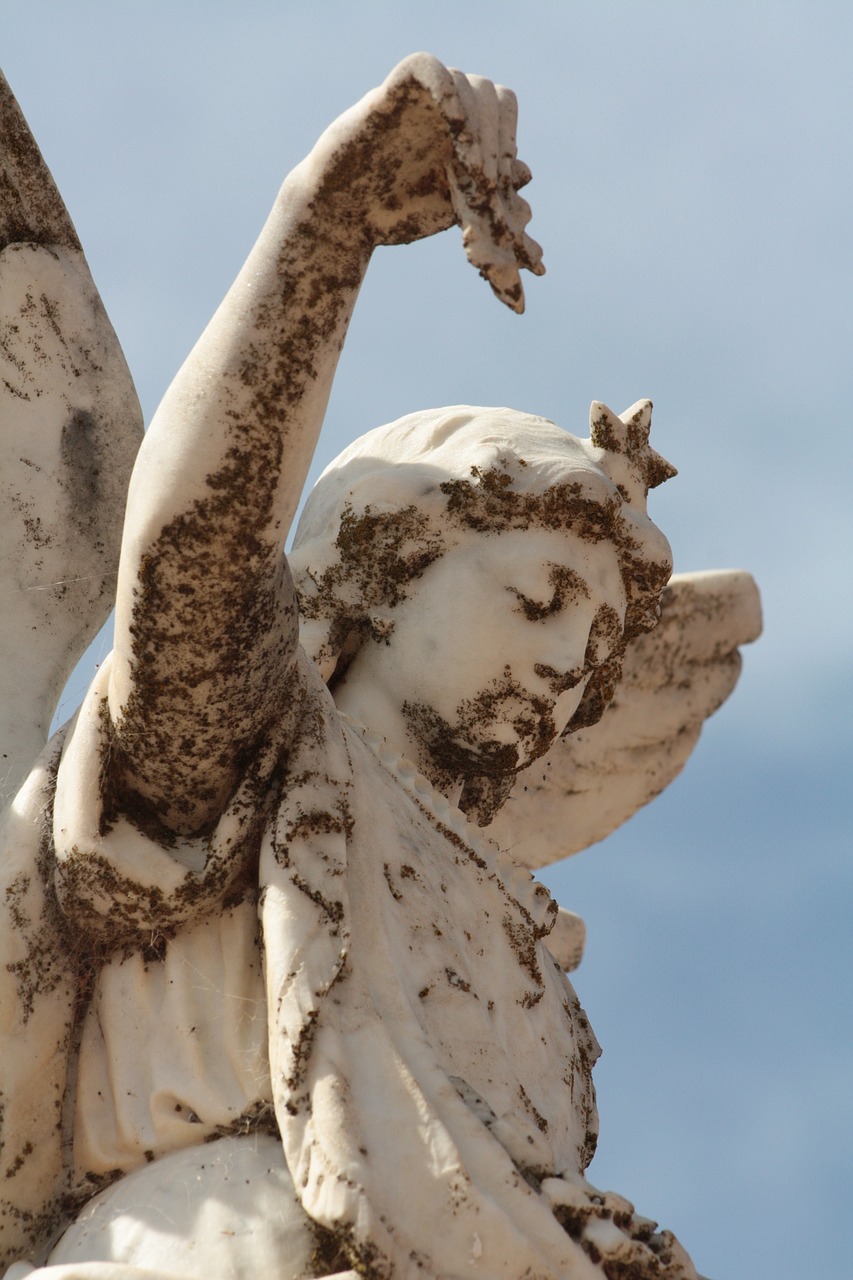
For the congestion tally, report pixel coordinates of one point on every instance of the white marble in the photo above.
(69, 429)
(273, 1001)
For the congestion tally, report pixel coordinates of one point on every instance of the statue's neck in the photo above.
(365, 699)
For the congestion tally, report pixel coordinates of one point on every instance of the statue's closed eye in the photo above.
(533, 609)
(567, 587)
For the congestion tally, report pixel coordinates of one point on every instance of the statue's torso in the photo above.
(174, 1050)
(438, 1027)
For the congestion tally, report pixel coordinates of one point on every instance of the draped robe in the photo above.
(344, 950)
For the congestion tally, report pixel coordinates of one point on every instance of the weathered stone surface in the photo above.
(70, 425)
(272, 1000)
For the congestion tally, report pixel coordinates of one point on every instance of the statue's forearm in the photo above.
(205, 620)
(263, 368)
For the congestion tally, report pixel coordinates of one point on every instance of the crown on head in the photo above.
(628, 458)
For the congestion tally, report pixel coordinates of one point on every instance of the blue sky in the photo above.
(692, 191)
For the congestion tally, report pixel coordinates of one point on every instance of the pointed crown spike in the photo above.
(630, 461)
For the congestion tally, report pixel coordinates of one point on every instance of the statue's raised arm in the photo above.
(206, 617)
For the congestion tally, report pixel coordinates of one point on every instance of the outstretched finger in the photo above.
(520, 174)
(507, 128)
(514, 174)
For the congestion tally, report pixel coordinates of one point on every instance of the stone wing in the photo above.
(70, 424)
(674, 677)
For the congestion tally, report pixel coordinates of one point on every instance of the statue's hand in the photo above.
(430, 147)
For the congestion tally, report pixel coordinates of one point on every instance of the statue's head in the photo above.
(484, 570)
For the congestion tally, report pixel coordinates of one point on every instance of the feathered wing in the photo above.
(674, 677)
(70, 424)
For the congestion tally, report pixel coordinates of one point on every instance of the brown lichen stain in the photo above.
(380, 555)
(522, 941)
(395, 894)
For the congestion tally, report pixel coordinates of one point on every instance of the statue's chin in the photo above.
(491, 771)
(492, 768)
(481, 797)
(485, 751)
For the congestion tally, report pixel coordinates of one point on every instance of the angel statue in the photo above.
(273, 1001)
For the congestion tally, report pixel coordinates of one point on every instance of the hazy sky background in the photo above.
(692, 190)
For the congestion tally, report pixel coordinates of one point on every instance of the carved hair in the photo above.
(401, 496)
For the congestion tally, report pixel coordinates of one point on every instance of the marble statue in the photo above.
(279, 996)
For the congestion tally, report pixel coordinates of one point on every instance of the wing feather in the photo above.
(70, 424)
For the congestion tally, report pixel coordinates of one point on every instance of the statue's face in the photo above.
(489, 655)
